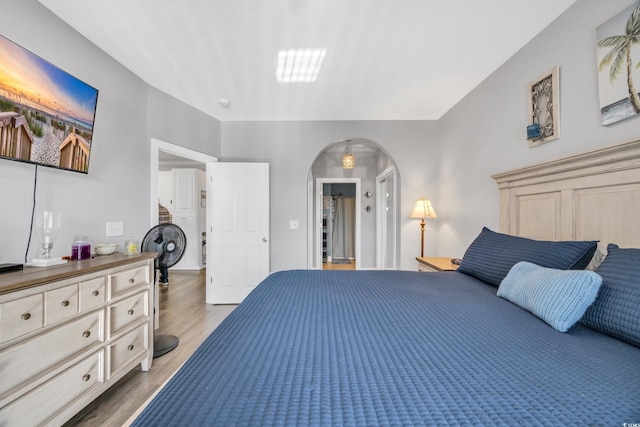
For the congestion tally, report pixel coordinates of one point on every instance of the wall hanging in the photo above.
(618, 53)
(544, 108)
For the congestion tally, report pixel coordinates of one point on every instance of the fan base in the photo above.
(163, 344)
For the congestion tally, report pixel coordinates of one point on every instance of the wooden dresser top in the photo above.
(34, 276)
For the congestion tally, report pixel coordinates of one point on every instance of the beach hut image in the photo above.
(74, 152)
(15, 137)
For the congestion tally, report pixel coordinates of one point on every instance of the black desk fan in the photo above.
(170, 242)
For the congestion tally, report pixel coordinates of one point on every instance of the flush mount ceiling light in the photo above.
(224, 102)
(299, 65)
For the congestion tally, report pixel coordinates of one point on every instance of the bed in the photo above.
(481, 346)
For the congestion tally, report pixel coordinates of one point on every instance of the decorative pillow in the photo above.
(616, 311)
(597, 259)
(559, 297)
(491, 255)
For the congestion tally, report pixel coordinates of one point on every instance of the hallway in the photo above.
(331, 266)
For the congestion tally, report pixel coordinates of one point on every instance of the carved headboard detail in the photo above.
(590, 196)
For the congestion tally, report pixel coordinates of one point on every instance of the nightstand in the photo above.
(431, 264)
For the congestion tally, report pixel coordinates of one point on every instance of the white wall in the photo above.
(485, 133)
(291, 147)
(173, 121)
(117, 185)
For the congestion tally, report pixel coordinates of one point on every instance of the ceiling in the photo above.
(385, 59)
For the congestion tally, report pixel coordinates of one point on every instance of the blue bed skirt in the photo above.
(383, 348)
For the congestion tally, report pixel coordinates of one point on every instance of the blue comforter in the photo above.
(383, 348)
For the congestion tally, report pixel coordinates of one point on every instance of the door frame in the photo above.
(156, 147)
(318, 212)
(381, 220)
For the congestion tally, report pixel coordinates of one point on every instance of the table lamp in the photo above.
(422, 209)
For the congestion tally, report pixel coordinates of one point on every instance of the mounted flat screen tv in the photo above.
(46, 114)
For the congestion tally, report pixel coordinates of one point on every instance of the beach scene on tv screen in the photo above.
(46, 114)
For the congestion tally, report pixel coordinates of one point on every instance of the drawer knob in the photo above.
(130, 312)
(86, 334)
(26, 316)
(95, 293)
(130, 347)
(86, 377)
(132, 280)
(65, 303)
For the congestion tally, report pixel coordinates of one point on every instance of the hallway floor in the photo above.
(330, 266)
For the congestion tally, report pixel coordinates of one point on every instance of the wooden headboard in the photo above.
(589, 196)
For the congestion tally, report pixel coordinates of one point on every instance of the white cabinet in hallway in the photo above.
(185, 199)
(192, 259)
(186, 194)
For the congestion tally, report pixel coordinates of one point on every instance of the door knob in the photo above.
(264, 240)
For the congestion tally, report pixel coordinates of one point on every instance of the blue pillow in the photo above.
(616, 311)
(491, 255)
(559, 297)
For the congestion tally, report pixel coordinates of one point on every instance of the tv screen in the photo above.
(46, 114)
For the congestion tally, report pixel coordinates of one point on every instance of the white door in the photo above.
(237, 230)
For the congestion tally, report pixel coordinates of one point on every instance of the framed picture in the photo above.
(618, 53)
(544, 108)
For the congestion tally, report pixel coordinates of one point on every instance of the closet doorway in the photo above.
(338, 205)
(339, 232)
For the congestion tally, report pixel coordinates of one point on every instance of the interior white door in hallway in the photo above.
(237, 230)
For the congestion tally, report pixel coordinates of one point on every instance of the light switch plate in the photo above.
(293, 224)
(115, 229)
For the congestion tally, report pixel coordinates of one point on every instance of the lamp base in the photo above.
(46, 262)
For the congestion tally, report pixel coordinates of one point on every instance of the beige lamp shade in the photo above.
(422, 209)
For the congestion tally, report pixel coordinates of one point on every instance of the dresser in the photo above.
(69, 332)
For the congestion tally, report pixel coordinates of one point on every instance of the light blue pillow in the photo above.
(559, 297)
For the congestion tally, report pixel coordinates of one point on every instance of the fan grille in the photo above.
(169, 241)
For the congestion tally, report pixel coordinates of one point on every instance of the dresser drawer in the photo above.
(21, 316)
(128, 311)
(36, 407)
(26, 361)
(92, 294)
(125, 281)
(128, 348)
(60, 304)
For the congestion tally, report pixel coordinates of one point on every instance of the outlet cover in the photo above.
(115, 229)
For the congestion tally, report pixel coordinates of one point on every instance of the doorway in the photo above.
(386, 247)
(371, 161)
(160, 149)
(339, 224)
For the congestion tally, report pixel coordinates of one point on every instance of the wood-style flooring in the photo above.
(183, 313)
(330, 266)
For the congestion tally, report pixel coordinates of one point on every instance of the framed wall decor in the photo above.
(618, 53)
(544, 108)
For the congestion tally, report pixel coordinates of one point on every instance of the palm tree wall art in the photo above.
(619, 65)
